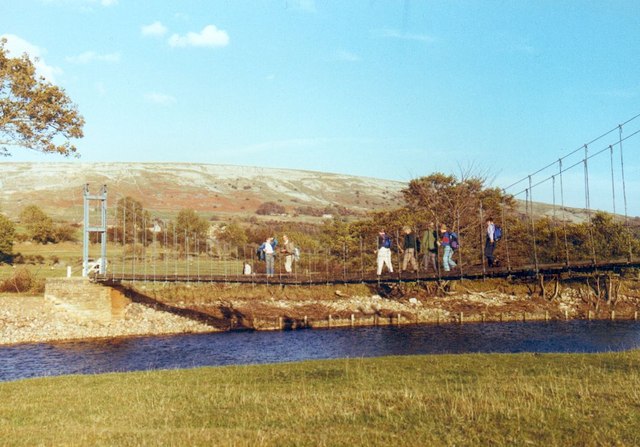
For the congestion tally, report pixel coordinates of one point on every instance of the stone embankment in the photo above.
(189, 308)
(34, 319)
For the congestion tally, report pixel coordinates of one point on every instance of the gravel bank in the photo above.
(34, 320)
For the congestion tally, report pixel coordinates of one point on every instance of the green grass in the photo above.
(462, 400)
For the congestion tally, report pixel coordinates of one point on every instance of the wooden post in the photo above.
(353, 320)
(546, 315)
(635, 315)
(461, 317)
(524, 317)
(613, 315)
(566, 315)
(329, 320)
(398, 319)
(280, 325)
(589, 315)
(483, 317)
(306, 321)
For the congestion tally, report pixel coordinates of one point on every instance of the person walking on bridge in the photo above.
(269, 256)
(287, 250)
(430, 246)
(445, 241)
(384, 252)
(409, 248)
(490, 242)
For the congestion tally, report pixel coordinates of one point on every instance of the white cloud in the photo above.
(347, 56)
(160, 98)
(401, 35)
(92, 56)
(210, 36)
(17, 46)
(156, 29)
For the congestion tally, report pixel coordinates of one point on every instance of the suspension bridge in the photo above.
(152, 250)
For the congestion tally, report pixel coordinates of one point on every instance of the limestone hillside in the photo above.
(165, 188)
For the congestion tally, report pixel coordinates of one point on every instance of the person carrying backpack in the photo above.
(430, 241)
(409, 249)
(384, 252)
(288, 249)
(448, 240)
(490, 241)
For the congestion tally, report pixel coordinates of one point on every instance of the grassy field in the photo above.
(462, 400)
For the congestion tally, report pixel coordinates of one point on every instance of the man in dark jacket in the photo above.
(430, 242)
(409, 248)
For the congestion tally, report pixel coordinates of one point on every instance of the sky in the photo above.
(393, 89)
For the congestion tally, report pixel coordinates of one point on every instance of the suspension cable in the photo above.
(613, 184)
(505, 233)
(124, 235)
(588, 202)
(581, 162)
(484, 270)
(573, 152)
(624, 192)
(533, 226)
(555, 222)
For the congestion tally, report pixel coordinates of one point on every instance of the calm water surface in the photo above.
(234, 348)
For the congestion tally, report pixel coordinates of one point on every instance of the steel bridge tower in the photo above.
(102, 229)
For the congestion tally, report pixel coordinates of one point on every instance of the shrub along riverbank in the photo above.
(499, 400)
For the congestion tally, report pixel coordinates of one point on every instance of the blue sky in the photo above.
(392, 89)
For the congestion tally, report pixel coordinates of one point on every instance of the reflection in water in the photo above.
(186, 351)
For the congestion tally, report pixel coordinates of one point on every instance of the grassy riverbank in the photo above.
(458, 400)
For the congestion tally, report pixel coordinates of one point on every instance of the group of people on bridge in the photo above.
(412, 248)
(267, 253)
(429, 246)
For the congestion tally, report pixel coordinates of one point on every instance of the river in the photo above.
(237, 348)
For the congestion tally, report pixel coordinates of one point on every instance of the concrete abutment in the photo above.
(86, 299)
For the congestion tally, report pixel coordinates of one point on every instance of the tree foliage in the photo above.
(39, 225)
(34, 113)
(7, 235)
(131, 220)
(233, 234)
(270, 209)
(190, 231)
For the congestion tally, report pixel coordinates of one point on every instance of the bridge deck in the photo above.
(470, 273)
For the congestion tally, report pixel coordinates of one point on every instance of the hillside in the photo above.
(165, 188)
(213, 190)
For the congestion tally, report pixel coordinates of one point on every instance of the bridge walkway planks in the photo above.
(473, 273)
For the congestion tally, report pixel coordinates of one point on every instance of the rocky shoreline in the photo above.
(32, 319)
(165, 309)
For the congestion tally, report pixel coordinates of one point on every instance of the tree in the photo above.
(190, 230)
(233, 234)
(131, 219)
(461, 204)
(34, 113)
(7, 234)
(40, 227)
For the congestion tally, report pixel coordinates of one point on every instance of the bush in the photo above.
(270, 209)
(64, 233)
(22, 281)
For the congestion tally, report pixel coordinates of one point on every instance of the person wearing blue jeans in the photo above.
(269, 256)
(445, 242)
